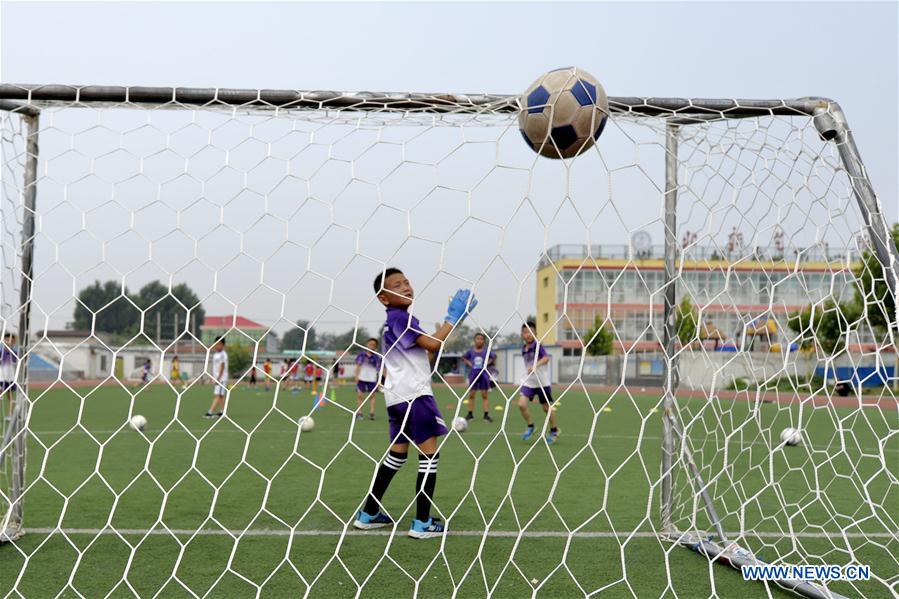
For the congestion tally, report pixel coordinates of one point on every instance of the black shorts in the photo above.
(543, 394)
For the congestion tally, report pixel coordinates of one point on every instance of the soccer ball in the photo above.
(138, 422)
(791, 436)
(306, 423)
(563, 112)
(460, 424)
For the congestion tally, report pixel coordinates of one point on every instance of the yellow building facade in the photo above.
(732, 295)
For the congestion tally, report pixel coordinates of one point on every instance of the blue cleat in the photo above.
(528, 433)
(426, 530)
(552, 437)
(368, 522)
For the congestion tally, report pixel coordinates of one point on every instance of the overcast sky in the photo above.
(845, 51)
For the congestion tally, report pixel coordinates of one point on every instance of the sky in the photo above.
(845, 51)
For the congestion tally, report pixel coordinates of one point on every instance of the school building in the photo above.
(237, 330)
(743, 301)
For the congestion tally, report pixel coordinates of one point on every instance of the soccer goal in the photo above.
(714, 282)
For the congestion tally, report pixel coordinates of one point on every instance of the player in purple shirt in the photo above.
(479, 359)
(411, 408)
(368, 373)
(8, 360)
(536, 384)
(145, 374)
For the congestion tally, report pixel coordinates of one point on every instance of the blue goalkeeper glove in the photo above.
(460, 306)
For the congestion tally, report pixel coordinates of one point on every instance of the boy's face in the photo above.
(219, 346)
(372, 345)
(479, 341)
(397, 291)
(527, 335)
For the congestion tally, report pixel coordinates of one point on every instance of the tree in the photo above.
(190, 300)
(118, 312)
(513, 338)
(459, 340)
(106, 308)
(240, 357)
(600, 341)
(871, 288)
(686, 321)
(294, 338)
(170, 308)
(342, 341)
(824, 324)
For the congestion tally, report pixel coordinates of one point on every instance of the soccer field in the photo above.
(245, 505)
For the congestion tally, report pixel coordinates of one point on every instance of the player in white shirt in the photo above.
(536, 384)
(368, 373)
(220, 379)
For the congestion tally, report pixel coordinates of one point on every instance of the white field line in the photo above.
(550, 534)
(383, 433)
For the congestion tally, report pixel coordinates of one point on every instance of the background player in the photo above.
(411, 408)
(536, 383)
(267, 371)
(8, 359)
(253, 376)
(145, 372)
(479, 359)
(368, 371)
(176, 371)
(309, 373)
(220, 379)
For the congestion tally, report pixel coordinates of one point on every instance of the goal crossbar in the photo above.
(692, 109)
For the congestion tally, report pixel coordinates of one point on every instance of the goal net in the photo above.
(713, 283)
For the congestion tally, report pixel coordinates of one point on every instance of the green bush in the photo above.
(239, 359)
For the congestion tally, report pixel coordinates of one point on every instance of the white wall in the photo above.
(714, 371)
(510, 364)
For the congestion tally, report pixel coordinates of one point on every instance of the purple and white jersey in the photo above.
(479, 361)
(8, 359)
(369, 367)
(540, 377)
(406, 364)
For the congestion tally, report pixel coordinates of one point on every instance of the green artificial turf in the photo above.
(88, 471)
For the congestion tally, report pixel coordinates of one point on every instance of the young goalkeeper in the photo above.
(412, 411)
(479, 359)
(536, 383)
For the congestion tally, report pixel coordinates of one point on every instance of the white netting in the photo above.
(12, 151)
(186, 223)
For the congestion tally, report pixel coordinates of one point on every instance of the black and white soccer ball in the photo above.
(563, 113)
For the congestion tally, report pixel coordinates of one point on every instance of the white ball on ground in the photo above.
(791, 436)
(306, 423)
(460, 424)
(138, 422)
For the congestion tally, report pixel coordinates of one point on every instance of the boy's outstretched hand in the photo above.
(460, 306)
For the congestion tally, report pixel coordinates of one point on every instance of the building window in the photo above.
(545, 317)
(546, 281)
